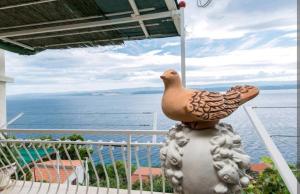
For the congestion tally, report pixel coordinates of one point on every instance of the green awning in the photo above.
(33, 154)
(31, 26)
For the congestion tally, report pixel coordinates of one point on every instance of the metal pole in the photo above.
(182, 39)
(129, 163)
(280, 163)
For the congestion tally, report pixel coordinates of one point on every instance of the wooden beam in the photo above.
(74, 19)
(26, 4)
(80, 33)
(137, 13)
(176, 18)
(17, 43)
(94, 24)
(95, 41)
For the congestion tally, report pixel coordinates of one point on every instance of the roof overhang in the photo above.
(30, 26)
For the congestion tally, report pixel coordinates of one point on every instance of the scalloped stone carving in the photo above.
(230, 160)
(171, 155)
(209, 161)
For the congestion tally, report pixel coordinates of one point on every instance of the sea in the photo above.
(135, 112)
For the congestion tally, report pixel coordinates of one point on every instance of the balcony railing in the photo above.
(68, 166)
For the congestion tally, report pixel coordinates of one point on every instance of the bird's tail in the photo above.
(246, 92)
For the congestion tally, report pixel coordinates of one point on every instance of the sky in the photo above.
(229, 41)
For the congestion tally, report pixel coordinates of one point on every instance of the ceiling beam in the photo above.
(17, 43)
(26, 4)
(74, 19)
(81, 33)
(94, 24)
(95, 41)
(137, 13)
(171, 5)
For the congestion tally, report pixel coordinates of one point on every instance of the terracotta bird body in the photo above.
(201, 109)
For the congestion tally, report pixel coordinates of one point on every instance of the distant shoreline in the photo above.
(153, 90)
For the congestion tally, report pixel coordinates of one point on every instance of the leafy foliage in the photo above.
(82, 149)
(269, 181)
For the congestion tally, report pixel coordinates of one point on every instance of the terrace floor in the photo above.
(55, 188)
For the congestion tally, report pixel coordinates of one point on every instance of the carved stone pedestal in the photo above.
(205, 161)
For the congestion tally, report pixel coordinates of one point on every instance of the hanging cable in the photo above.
(203, 3)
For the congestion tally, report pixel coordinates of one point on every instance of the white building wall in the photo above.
(2, 89)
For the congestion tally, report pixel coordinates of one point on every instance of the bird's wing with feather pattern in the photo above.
(211, 106)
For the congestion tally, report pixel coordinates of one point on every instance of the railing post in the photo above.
(154, 126)
(129, 163)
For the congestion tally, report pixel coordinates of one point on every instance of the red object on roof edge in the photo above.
(182, 4)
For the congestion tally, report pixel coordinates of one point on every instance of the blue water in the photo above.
(91, 112)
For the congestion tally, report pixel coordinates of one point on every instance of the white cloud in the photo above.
(110, 69)
(220, 21)
(170, 44)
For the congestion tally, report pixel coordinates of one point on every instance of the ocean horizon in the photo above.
(134, 112)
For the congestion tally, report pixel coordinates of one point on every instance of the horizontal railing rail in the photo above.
(86, 131)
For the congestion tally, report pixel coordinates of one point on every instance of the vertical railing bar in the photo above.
(163, 177)
(95, 170)
(54, 166)
(80, 159)
(19, 166)
(70, 160)
(103, 166)
(86, 161)
(136, 148)
(35, 165)
(60, 163)
(115, 168)
(8, 163)
(40, 158)
(150, 167)
(2, 171)
(25, 163)
(280, 163)
(125, 162)
(63, 166)
(129, 163)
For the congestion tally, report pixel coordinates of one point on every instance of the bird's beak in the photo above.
(162, 77)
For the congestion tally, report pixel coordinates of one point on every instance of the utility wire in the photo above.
(203, 5)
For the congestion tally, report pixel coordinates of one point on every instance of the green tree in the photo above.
(82, 149)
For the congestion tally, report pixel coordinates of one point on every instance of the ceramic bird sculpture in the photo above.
(201, 109)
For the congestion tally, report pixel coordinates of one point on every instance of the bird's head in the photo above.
(171, 77)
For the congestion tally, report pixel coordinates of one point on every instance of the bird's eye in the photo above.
(173, 72)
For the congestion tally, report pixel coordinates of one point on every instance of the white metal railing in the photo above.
(280, 163)
(79, 166)
(28, 154)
